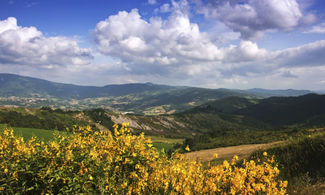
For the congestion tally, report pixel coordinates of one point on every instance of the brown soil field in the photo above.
(226, 153)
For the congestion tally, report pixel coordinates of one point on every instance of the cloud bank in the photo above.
(253, 17)
(28, 46)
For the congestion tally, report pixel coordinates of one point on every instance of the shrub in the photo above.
(121, 163)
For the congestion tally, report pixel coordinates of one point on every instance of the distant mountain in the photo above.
(226, 105)
(320, 92)
(278, 92)
(138, 97)
(15, 85)
(141, 98)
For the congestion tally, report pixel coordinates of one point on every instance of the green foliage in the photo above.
(44, 118)
(237, 137)
(28, 133)
(235, 121)
(280, 111)
(99, 116)
(301, 160)
(225, 105)
(92, 162)
(160, 146)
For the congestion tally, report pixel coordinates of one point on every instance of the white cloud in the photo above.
(246, 51)
(311, 54)
(152, 2)
(177, 47)
(320, 28)
(253, 17)
(155, 42)
(28, 46)
(165, 8)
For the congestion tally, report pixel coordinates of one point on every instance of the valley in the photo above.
(138, 98)
(207, 121)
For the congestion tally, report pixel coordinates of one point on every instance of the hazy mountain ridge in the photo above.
(15, 85)
(142, 98)
(137, 97)
(277, 92)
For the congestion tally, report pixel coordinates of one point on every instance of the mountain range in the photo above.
(142, 98)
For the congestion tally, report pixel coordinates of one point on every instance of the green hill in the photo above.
(280, 111)
(274, 112)
(139, 98)
(301, 162)
(235, 120)
(226, 105)
(15, 85)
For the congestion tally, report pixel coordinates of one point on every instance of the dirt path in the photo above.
(227, 153)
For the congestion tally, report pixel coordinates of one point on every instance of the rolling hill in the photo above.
(15, 85)
(224, 122)
(280, 111)
(140, 98)
(235, 120)
(273, 111)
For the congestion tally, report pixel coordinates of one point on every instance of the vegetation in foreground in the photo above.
(88, 161)
(28, 133)
(301, 162)
(48, 135)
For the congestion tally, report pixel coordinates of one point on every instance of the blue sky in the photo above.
(276, 44)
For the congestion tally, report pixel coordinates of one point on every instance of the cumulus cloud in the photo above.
(176, 45)
(28, 46)
(163, 42)
(245, 51)
(253, 17)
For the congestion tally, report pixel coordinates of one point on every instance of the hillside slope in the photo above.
(279, 111)
(142, 98)
(15, 85)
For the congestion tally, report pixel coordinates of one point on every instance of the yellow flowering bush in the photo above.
(121, 163)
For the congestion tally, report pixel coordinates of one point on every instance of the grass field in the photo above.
(166, 143)
(165, 140)
(27, 133)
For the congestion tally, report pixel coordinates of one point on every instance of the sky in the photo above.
(242, 44)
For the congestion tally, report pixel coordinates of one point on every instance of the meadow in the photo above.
(27, 133)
